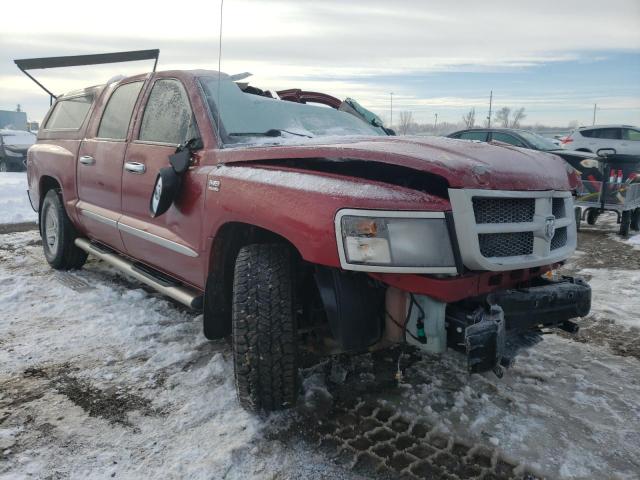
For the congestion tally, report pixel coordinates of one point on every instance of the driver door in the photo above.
(169, 242)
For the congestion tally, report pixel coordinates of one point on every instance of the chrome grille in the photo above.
(503, 210)
(501, 230)
(557, 208)
(506, 244)
(559, 240)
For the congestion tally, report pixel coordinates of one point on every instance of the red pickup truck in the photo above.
(296, 226)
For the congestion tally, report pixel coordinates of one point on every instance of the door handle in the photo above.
(87, 160)
(135, 167)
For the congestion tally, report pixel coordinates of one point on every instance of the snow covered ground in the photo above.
(100, 378)
(14, 202)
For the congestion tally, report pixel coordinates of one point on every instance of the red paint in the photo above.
(298, 205)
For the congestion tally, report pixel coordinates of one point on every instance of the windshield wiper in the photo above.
(274, 132)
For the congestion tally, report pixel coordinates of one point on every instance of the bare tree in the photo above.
(518, 116)
(502, 116)
(469, 119)
(406, 120)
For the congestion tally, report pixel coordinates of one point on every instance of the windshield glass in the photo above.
(538, 141)
(249, 118)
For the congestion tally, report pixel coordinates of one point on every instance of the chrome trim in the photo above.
(378, 268)
(87, 160)
(163, 242)
(468, 230)
(99, 218)
(190, 298)
(135, 167)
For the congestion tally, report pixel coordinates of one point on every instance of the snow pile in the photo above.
(14, 202)
(615, 295)
(112, 381)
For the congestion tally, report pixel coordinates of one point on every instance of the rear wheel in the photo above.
(625, 223)
(3, 166)
(635, 220)
(592, 216)
(264, 328)
(578, 214)
(58, 235)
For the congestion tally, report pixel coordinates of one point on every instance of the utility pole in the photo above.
(435, 124)
(595, 107)
(490, 106)
(391, 121)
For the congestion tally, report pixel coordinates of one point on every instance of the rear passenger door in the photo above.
(170, 242)
(100, 162)
(610, 137)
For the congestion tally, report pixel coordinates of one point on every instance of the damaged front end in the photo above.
(489, 329)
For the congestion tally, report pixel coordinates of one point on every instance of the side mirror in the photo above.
(165, 191)
(167, 185)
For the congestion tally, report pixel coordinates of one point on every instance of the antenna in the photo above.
(219, 73)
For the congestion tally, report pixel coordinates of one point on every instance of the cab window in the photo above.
(117, 116)
(482, 136)
(506, 138)
(167, 116)
(69, 113)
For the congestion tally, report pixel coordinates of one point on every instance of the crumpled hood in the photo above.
(462, 163)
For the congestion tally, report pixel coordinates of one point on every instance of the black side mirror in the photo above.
(167, 185)
(165, 191)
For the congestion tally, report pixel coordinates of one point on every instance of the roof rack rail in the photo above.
(80, 60)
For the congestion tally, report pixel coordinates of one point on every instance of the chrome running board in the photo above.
(188, 297)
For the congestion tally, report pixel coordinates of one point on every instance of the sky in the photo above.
(556, 59)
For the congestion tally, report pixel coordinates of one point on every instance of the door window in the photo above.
(69, 113)
(606, 133)
(506, 138)
(631, 134)
(167, 116)
(482, 136)
(117, 116)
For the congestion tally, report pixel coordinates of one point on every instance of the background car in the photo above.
(584, 162)
(13, 149)
(624, 139)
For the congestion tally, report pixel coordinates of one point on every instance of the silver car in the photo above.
(624, 139)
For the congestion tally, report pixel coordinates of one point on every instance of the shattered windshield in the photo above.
(248, 118)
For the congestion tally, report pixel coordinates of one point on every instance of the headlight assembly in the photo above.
(395, 241)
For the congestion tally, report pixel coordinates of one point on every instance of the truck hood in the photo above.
(462, 163)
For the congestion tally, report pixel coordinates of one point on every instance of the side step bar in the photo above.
(190, 298)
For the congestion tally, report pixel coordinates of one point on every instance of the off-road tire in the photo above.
(264, 328)
(625, 223)
(592, 216)
(635, 220)
(63, 253)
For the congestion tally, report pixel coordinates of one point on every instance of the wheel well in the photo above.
(46, 183)
(229, 239)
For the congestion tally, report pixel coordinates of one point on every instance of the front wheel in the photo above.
(3, 166)
(264, 328)
(592, 216)
(58, 235)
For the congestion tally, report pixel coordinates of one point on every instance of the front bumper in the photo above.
(488, 329)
